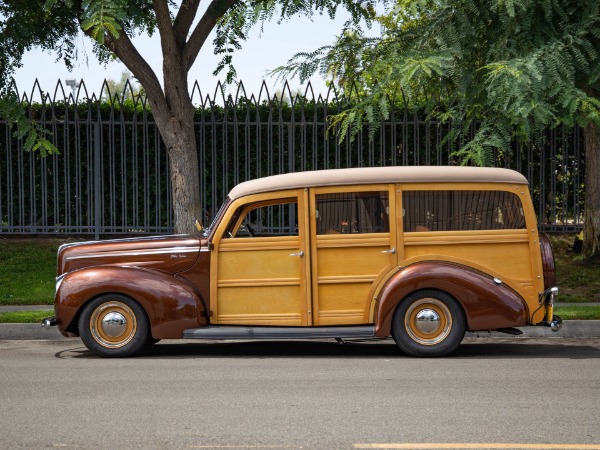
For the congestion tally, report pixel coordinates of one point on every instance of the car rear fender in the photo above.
(488, 303)
(171, 303)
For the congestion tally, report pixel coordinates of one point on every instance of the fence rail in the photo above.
(111, 176)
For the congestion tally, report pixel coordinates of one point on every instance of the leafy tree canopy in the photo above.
(55, 25)
(517, 66)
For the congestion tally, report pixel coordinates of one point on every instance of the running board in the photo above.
(255, 333)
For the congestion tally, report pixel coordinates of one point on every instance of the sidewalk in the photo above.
(14, 308)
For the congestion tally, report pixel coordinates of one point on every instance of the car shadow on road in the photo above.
(471, 348)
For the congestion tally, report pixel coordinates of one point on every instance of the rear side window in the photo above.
(353, 212)
(461, 210)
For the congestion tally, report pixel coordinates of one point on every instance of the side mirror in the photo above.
(199, 226)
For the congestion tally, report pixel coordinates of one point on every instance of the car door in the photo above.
(352, 249)
(261, 262)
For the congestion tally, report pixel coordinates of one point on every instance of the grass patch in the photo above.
(578, 312)
(27, 271)
(25, 316)
(578, 280)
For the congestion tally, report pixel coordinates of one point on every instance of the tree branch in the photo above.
(214, 12)
(165, 26)
(185, 18)
(128, 54)
(124, 49)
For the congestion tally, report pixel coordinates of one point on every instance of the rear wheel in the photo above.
(114, 326)
(428, 323)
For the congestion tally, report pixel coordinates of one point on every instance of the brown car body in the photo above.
(326, 286)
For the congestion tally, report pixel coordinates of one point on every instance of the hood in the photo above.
(167, 253)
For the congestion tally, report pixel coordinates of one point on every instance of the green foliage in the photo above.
(34, 136)
(578, 312)
(514, 66)
(23, 25)
(234, 28)
(102, 17)
(27, 271)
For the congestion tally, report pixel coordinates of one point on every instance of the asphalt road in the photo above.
(531, 393)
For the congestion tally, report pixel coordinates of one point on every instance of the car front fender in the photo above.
(172, 305)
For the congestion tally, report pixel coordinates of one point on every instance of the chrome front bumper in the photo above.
(48, 322)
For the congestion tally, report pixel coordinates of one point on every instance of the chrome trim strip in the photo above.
(220, 332)
(137, 253)
(59, 281)
(131, 239)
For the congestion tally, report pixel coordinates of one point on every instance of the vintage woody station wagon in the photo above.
(419, 253)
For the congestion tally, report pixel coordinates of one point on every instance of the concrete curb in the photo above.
(570, 329)
(16, 308)
(28, 331)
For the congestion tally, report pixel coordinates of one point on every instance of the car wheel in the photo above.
(428, 323)
(114, 326)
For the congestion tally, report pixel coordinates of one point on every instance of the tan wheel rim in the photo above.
(428, 321)
(113, 324)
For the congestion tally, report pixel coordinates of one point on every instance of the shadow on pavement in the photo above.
(476, 348)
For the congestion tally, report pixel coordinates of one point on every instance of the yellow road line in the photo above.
(241, 446)
(481, 445)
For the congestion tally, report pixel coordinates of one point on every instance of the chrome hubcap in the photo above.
(114, 324)
(427, 321)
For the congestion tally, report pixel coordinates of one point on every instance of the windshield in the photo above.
(206, 232)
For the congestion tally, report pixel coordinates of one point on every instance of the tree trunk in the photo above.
(180, 140)
(591, 229)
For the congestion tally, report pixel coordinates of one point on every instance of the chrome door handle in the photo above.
(300, 254)
(391, 250)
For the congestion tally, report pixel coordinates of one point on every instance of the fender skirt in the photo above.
(172, 305)
(488, 305)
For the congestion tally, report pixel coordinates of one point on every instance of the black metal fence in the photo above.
(111, 176)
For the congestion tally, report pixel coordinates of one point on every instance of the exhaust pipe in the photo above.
(48, 322)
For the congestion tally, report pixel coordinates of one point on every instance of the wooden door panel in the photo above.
(349, 261)
(261, 280)
(260, 283)
(262, 305)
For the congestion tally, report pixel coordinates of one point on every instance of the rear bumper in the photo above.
(547, 300)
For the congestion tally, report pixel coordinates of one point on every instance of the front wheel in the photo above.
(114, 326)
(428, 323)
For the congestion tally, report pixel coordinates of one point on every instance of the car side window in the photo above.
(268, 219)
(352, 212)
(462, 210)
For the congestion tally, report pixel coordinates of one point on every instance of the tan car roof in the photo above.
(374, 175)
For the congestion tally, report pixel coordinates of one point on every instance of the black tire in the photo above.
(152, 341)
(114, 325)
(428, 323)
